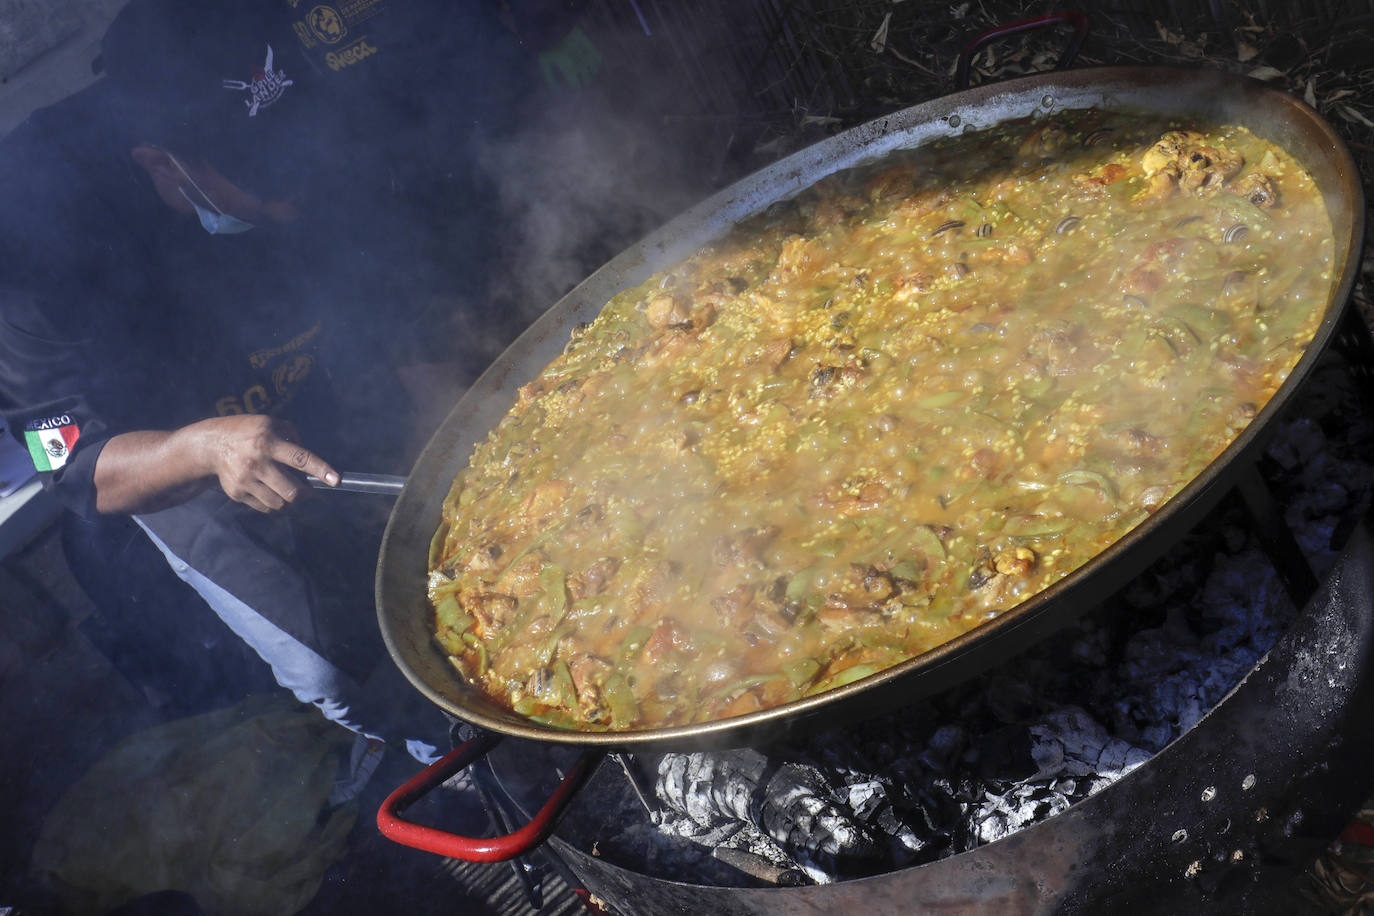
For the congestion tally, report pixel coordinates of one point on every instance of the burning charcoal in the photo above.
(1119, 758)
(1048, 754)
(1025, 803)
(935, 814)
(797, 811)
(1005, 754)
(865, 798)
(1081, 735)
(871, 802)
(789, 802)
(1157, 736)
(946, 745)
(706, 789)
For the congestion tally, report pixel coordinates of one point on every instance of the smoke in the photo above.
(585, 177)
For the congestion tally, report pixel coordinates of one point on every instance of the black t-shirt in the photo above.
(120, 314)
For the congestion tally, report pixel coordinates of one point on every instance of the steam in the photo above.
(582, 180)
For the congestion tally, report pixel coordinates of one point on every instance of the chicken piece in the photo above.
(850, 497)
(923, 202)
(532, 391)
(667, 311)
(1160, 186)
(490, 610)
(775, 353)
(1168, 150)
(544, 500)
(891, 184)
(1160, 262)
(592, 581)
(677, 345)
(521, 578)
(910, 285)
(984, 464)
(1137, 442)
(667, 638)
(589, 674)
(994, 576)
(483, 559)
(1014, 561)
(1182, 160)
(840, 615)
(1094, 183)
(654, 586)
(1206, 168)
(830, 210)
(1257, 188)
(735, 607)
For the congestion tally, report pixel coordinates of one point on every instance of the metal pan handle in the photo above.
(477, 849)
(379, 484)
(1072, 17)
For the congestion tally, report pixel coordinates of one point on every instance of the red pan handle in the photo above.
(1072, 17)
(1358, 832)
(477, 849)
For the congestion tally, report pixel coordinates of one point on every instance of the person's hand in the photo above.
(250, 456)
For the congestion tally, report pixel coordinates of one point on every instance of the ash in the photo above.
(1057, 724)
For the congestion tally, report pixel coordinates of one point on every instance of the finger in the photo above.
(276, 487)
(299, 458)
(251, 501)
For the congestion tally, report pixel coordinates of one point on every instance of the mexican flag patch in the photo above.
(50, 441)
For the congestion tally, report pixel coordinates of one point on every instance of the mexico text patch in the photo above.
(50, 441)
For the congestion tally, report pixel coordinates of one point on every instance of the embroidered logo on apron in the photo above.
(266, 86)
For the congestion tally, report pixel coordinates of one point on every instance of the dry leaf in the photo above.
(1165, 35)
(774, 147)
(1340, 94)
(960, 11)
(1351, 114)
(1266, 73)
(1309, 95)
(1245, 51)
(879, 41)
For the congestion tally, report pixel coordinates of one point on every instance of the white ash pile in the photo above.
(1056, 724)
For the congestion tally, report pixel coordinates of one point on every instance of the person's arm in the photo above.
(47, 367)
(248, 455)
